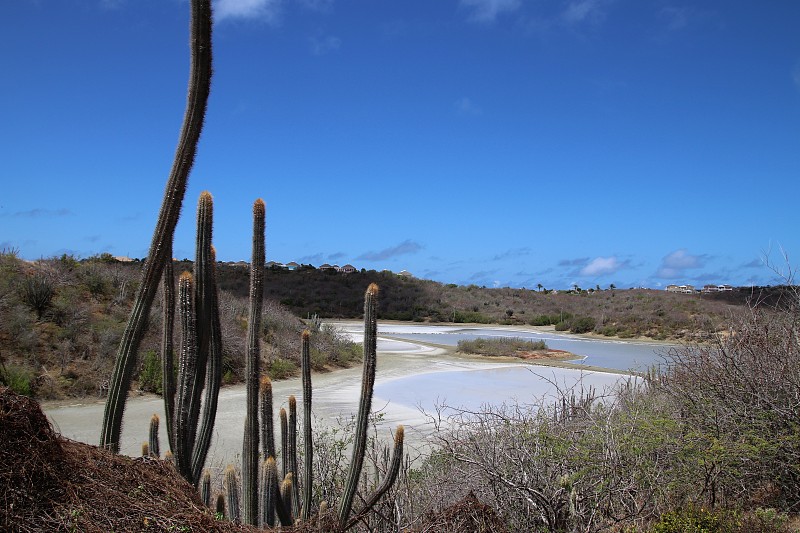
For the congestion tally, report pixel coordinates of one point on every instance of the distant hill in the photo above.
(619, 312)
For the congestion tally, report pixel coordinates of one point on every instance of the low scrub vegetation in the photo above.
(710, 444)
(62, 320)
(501, 346)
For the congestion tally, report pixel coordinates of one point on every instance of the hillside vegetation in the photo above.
(62, 318)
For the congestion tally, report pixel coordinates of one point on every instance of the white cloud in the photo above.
(266, 10)
(487, 10)
(675, 264)
(603, 266)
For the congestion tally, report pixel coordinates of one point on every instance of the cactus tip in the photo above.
(186, 276)
(292, 402)
(154, 418)
(306, 334)
(399, 434)
(372, 289)
(258, 206)
(265, 384)
(205, 196)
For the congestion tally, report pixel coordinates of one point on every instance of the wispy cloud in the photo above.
(581, 261)
(264, 10)
(41, 213)
(324, 45)
(604, 266)
(486, 11)
(465, 106)
(755, 263)
(323, 6)
(314, 259)
(512, 253)
(675, 264)
(677, 18)
(405, 247)
(336, 256)
(579, 11)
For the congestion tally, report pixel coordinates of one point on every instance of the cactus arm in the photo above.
(231, 486)
(293, 454)
(155, 448)
(251, 433)
(213, 379)
(268, 488)
(203, 290)
(267, 423)
(205, 488)
(308, 448)
(286, 493)
(168, 350)
(284, 442)
(186, 374)
(388, 481)
(161, 244)
(362, 420)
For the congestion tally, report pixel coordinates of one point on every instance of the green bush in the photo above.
(282, 369)
(151, 375)
(582, 325)
(694, 519)
(500, 346)
(17, 378)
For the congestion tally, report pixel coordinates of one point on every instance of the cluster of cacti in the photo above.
(285, 499)
(200, 352)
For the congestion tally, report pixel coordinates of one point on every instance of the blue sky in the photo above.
(494, 142)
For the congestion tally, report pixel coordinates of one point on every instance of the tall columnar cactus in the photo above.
(365, 404)
(186, 374)
(155, 448)
(231, 486)
(287, 493)
(161, 244)
(213, 375)
(168, 350)
(267, 424)
(284, 442)
(308, 448)
(205, 488)
(252, 363)
(293, 455)
(200, 358)
(388, 480)
(268, 488)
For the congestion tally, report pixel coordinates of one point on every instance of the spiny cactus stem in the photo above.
(231, 486)
(161, 244)
(168, 350)
(269, 489)
(284, 442)
(365, 405)
(293, 454)
(267, 424)
(213, 377)
(186, 374)
(205, 488)
(388, 480)
(155, 448)
(308, 448)
(252, 363)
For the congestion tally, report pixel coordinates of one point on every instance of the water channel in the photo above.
(417, 371)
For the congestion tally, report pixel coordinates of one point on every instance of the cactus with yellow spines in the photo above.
(153, 442)
(293, 455)
(267, 424)
(186, 373)
(364, 406)
(161, 244)
(231, 485)
(205, 488)
(388, 480)
(284, 442)
(250, 453)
